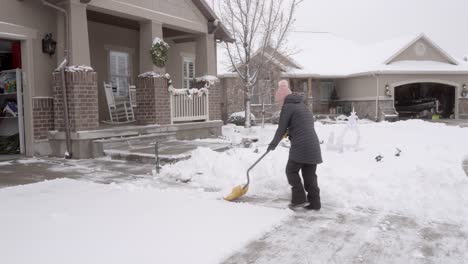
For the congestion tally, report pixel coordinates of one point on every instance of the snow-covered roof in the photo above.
(327, 55)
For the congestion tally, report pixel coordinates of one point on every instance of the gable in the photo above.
(180, 8)
(422, 49)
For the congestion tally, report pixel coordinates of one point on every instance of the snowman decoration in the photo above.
(351, 126)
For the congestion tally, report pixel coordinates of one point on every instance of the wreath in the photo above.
(159, 51)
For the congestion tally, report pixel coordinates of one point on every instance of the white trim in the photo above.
(43, 97)
(187, 55)
(419, 37)
(119, 49)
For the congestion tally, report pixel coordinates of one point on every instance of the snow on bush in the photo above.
(238, 118)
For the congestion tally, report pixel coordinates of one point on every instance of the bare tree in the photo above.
(256, 25)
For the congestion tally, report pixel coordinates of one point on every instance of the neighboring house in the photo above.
(114, 38)
(406, 77)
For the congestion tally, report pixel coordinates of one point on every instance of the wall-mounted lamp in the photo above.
(48, 44)
(464, 91)
(388, 93)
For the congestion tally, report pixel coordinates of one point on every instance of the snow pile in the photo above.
(150, 74)
(238, 118)
(426, 181)
(67, 221)
(78, 68)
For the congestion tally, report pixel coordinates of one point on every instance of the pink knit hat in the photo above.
(282, 92)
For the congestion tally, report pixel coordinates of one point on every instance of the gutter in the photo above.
(61, 68)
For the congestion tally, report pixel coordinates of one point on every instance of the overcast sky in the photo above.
(366, 21)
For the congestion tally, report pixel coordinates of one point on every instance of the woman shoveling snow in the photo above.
(304, 154)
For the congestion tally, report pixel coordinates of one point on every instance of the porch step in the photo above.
(169, 151)
(101, 145)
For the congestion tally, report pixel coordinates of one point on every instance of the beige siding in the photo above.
(431, 53)
(175, 58)
(358, 87)
(34, 15)
(180, 14)
(102, 38)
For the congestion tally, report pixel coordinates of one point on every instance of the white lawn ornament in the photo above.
(351, 125)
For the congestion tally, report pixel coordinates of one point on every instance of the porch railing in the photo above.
(185, 108)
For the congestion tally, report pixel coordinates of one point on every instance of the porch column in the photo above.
(148, 31)
(78, 44)
(205, 58)
(310, 97)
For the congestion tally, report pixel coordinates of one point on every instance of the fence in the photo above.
(185, 108)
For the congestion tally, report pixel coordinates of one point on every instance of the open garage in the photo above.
(425, 100)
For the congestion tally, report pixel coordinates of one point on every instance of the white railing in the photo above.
(185, 108)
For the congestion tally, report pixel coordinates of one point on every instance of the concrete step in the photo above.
(169, 151)
(116, 143)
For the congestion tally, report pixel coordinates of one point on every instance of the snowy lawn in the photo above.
(426, 181)
(69, 221)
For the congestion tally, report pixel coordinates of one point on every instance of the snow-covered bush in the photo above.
(238, 118)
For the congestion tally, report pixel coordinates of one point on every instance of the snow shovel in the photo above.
(240, 190)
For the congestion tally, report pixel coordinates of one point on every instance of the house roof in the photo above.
(220, 31)
(327, 55)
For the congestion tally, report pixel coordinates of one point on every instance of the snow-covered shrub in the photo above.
(238, 118)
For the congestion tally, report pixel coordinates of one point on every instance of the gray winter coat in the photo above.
(299, 122)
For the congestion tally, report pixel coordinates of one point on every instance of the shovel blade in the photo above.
(236, 192)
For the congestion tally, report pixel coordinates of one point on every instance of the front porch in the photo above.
(165, 102)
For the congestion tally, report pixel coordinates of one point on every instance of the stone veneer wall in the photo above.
(153, 102)
(215, 102)
(463, 108)
(43, 116)
(82, 100)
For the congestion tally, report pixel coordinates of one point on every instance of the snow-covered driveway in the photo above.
(411, 208)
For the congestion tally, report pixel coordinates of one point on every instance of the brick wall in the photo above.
(153, 103)
(82, 100)
(43, 116)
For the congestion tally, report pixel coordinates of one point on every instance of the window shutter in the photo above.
(119, 72)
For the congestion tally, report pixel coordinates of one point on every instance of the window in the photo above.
(188, 72)
(326, 89)
(119, 72)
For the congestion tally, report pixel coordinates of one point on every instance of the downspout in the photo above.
(61, 68)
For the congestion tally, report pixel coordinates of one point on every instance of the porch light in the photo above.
(387, 91)
(48, 44)
(464, 92)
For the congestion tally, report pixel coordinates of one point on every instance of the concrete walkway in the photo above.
(359, 235)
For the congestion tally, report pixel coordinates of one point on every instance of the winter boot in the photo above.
(294, 206)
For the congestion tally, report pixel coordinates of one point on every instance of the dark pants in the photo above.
(310, 183)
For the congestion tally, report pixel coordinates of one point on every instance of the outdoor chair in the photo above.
(120, 109)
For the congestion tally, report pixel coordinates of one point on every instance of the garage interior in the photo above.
(425, 101)
(10, 118)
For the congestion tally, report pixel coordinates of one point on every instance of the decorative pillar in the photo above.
(148, 31)
(82, 100)
(153, 105)
(205, 57)
(78, 40)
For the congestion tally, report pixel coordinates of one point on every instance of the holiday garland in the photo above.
(159, 51)
(206, 80)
